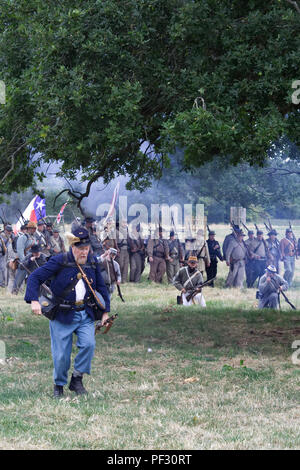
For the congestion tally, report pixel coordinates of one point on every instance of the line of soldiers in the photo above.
(251, 257)
(34, 244)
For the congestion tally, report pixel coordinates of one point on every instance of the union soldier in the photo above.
(137, 254)
(235, 259)
(259, 254)
(269, 286)
(176, 256)
(249, 260)
(158, 253)
(187, 279)
(288, 253)
(214, 254)
(74, 314)
(273, 249)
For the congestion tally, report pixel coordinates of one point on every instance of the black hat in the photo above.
(9, 228)
(259, 232)
(272, 232)
(23, 227)
(35, 249)
(172, 233)
(40, 222)
(250, 232)
(211, 232)
(80, 237)
(288, 230)
(49, 224)
(89, 219)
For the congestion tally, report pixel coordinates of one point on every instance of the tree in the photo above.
(108, 88)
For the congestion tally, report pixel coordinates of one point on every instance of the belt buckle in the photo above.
(79, 302)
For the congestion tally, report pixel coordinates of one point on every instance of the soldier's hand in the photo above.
(150, 259)
(183, 291)
(36, 307)
(104, 318)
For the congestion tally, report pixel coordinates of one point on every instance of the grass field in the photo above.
(164, 377)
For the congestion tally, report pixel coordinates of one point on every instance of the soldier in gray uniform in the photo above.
(269, 286)
(176, 257)
(249, 260)
(273, 249)
(3, 260)
(41, 238)
(123, 250)
(235, 258)
(137, 254)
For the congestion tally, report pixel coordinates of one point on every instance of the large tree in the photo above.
(109, 87)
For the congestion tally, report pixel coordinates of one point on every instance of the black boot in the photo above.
(76, 385)
(58, 391)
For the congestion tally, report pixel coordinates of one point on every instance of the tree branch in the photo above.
(295, 5)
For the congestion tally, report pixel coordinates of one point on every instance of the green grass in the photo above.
(164, 377)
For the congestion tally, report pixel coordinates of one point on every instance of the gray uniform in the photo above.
(236, 255)
(268, 291)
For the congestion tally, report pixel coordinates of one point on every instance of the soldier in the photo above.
(110, 269)
(123, 250)
(57, 245)
(137, 255)
(259, 254)
(70, 291)
(9, 240)
(198, 247)
(187, 279)
(48, 231)
(231, 236)
(249, 260)
(158, 253)
(3, 261)
(26, 240)
(235, 259)
(288, 253)
(41, 238)
(75, 224)
(214, 253)
(176, 257)
(270, 285)
(273, 249)
(33, 260)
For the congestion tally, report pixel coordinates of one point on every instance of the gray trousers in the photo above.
(172, 269)
(3, 271)
(236, 274)
(289, 269)
(136, 263)
(123, 260)
(269, 301)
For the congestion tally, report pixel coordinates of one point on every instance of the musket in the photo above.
(294, 238)
(270, 225)
(245, 226)
(44, 286)
(283, 294)
(108, 324)
(118, 287)
(268, 228)
(22, 217)
(198, 289)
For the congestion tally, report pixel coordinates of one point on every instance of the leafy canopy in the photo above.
(109, 87)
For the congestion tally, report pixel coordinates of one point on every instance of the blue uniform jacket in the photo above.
(62, 278)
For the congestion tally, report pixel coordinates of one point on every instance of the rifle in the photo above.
(294, 238)
(108, 324)
(118, 287)
(198, 289)
(44, 286)
(245, 226)
(283, 294)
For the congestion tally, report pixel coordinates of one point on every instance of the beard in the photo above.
(192, 270)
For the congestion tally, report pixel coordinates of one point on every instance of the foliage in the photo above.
(89, 84)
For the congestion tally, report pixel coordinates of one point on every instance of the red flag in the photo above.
(59, 215)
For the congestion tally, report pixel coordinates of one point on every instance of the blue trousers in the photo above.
(61, 346)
